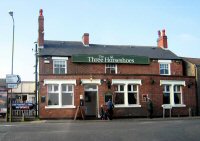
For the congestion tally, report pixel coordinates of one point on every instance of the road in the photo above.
(116, 130)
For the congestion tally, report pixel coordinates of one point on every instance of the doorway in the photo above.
(90, 94)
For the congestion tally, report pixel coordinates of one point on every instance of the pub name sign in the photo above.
(116, 59)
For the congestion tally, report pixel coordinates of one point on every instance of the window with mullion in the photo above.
(177, 94)
(67, 94)
(119, 94)
(132, 94)
(111, 68)
(59, 66)
(164, 69)
(166, 94)
(53, 94)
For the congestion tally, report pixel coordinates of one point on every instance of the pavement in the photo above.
(114, 120)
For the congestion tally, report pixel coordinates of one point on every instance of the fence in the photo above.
(25, 113)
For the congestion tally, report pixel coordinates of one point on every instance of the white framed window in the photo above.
(53, 94)
(67, 94)
(177, 94)
(119, 94)
(172, 93)
(111, 68)
(166, 94)
(126, 92)
(60, 93)
(132, 94)
(59, 65)
(165, 67)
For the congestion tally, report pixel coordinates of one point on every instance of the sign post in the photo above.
(12, 82)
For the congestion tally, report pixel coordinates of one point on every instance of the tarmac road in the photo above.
(115, 130)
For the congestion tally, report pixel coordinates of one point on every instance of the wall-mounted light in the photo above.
(102, 80)
(152, 81)
(108, 83)
(91, 78)
(190, 84)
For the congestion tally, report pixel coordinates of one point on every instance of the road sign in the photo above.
(13, 79)
(12, 86)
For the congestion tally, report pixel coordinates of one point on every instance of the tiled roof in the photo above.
(69, 48)
(195, 61)
(2, 82)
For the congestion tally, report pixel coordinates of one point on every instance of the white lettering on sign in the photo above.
(13, 79)
(110, 59)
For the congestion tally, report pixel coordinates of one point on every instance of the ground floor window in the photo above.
(166, 94)
(126, 92)
(60, 93)
(172, 92)
(132, 94)
(67, 94)
(53, 94)
(177, 94)
(107, 97)
(119, 94)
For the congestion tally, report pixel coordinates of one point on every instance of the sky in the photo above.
(113, 22)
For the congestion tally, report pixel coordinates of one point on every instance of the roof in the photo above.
(195, 61)
(2, 82)
(69, 48)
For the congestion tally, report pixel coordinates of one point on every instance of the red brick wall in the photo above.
(153, 89)
(146, 73)
(78, 68)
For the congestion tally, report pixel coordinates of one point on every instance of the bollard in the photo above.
(23, 116)
(190, 111)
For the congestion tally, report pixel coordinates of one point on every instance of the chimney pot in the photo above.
(41, 12)
(159, 34)
(163, 32)
(85, 39)
(41, 29)
(162, 39)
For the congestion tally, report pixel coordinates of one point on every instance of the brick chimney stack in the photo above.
(85, 39)
(41, 29)
(162, 39)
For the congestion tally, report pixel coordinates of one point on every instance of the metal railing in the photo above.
(26, 113)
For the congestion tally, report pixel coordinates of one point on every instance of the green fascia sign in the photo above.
(116, 59)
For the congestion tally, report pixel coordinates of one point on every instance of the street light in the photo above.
(11, 14)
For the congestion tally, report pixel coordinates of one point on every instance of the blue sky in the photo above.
(120, 22)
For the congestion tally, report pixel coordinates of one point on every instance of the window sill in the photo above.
(59, 107)
(165, 74)
(169, 106)
(179, 105)
(127, 106)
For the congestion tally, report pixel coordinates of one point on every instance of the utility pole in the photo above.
(11, 14)
(36, 80)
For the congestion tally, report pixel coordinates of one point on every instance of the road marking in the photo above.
(8, 125)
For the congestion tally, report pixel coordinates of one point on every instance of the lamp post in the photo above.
(11, 14)
(36, 80)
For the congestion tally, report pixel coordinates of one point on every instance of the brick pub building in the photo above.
(70, 70)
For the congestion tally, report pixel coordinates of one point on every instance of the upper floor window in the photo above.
(60, 65)
(165, 67)
(111, 69)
